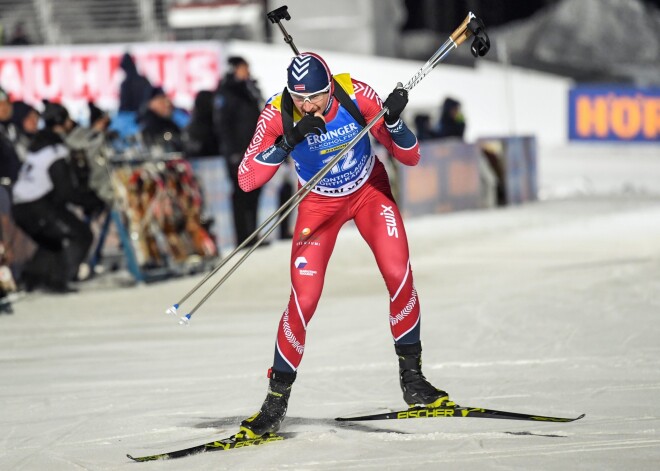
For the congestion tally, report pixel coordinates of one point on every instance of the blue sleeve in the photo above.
(274, 155)
(401, 135)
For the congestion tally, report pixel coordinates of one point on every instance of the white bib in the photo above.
(33, 179)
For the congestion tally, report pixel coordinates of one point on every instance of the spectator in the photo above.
(238, 105)
(9, 160)
(7, 283)
(19, 36)
(452, 121)
(134, 92)
(42, 193)
(89, 141)
(157, 126)
(26, 120)
(423, 127)
(200, 138)
(135, 89)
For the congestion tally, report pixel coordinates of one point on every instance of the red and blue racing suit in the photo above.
(357, 189)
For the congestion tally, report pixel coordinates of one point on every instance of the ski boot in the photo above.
(272, 412)
(417, 391)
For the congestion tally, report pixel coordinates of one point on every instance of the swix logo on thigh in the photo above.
(390, 221)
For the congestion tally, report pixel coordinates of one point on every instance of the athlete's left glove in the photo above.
(395, 103)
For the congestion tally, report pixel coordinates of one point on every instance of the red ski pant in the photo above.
(320, 218)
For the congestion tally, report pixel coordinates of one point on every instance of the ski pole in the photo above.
(275, 16)
(281, 13)
(467, 28)
(285, 209)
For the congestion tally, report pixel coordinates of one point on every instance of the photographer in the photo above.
(47, 183)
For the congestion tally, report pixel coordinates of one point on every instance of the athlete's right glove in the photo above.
(309, 124)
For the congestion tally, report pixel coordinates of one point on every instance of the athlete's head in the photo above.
(309, 81)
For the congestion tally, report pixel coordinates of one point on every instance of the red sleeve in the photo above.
(370, 105)
(252, 173)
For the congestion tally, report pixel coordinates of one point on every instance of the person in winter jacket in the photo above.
(46, 185)
(26, 120)
(200, 138)
(238, 105)
(10, 162)
(159, 130)
(452, 121)
(134, 90)
(90, 142)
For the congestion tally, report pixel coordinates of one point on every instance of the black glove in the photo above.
(309, 124)
(395, 103)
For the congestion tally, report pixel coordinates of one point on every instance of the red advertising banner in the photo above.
(72, 75)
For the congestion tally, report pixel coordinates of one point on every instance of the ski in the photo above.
(224, 444)
(430, 412)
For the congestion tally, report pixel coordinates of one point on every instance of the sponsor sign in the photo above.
(446, 179)
(614, 113)
(73, 75)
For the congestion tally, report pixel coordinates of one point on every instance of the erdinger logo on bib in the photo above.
(300, 263)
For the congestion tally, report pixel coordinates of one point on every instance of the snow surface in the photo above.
(548, 308)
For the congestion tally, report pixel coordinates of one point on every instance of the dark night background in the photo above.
(443, 16)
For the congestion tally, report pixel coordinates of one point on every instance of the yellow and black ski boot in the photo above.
(417, 391)
(272, 412)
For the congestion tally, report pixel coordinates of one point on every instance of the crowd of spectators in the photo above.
(57, 183)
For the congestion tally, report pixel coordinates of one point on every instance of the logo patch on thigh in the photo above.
(300, 263)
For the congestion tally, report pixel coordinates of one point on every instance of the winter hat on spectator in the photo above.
(235, 61)
(94, 112)
(156, 92)
(308, 73)
(54, 114)
(21, 110)
(4, 96)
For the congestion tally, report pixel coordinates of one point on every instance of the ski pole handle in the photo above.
(461, 33)
(276, 16)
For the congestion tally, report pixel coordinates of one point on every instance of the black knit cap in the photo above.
(54, 114)
(94, 112)
(235, 61)
(156, 91)
(21, 110)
